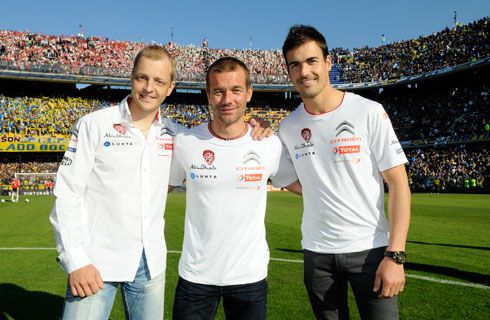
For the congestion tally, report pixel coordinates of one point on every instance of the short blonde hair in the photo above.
(155, 52)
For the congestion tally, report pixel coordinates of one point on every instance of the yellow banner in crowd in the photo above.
(23, 143)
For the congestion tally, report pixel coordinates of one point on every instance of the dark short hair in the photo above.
(155, 52)
(226, 64)
(300, 34)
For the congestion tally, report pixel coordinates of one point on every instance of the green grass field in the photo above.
(448, 275)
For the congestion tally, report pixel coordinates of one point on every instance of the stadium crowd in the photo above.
(463, 112)
(449, 169)
(43, 115)
(460, 113)
(57, 116)
(446, 48)
(455, 114)
(100, 56)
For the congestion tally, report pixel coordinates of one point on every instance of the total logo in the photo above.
(250, 177)
(347, 149)
(165, 146)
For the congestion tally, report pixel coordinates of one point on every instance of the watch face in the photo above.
(400, 257)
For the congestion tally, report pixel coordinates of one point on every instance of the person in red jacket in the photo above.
(15, 190)
(48, 184)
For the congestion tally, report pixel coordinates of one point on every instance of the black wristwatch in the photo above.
(399, 256)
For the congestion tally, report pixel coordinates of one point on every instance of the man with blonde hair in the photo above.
(110, 199)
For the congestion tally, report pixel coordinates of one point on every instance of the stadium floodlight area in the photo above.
(34, 183)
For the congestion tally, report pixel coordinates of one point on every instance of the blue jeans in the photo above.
(195, 301)
(326, 277)
(142, 298)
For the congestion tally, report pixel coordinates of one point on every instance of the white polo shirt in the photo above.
(224, 239)
(339, 157)
(111, 190)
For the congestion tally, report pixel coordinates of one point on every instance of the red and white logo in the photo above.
(250, 177)
(119, 128)
(347, 149)
(165, 146)
(306, 134)
(208, 156)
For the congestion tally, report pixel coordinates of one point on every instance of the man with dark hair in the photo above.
(342, 147)
(225, 253)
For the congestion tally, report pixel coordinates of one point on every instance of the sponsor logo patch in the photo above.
(347, 149)
(165, 146)
(250, 177)
(351, 160)
(251, 156)
(344, 126)
(208, 156)
(195, 176)
(66, 161)
(165, 130)
(298, 156)
(74, 132)
(306, 134)
(116, 135)
(342, 140)
(119, 127)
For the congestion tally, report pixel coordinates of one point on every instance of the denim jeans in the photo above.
(326, 277)
(195, 301)
(142, 298)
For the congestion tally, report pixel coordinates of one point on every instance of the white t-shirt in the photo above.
(338, 157)
(224, 239)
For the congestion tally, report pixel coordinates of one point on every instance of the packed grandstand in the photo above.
(435, 88)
